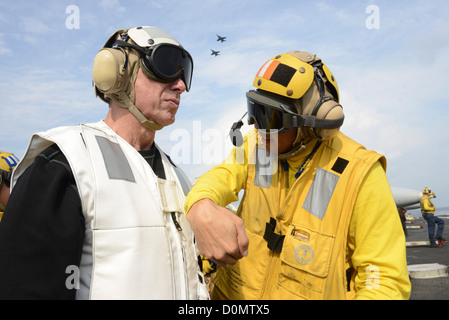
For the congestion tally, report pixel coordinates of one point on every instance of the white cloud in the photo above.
(4, 50)
(34, 25)
(112, 6)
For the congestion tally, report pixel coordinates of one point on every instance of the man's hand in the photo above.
(219, 233)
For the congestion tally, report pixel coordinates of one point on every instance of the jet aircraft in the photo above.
(220, 38)
(214, 53)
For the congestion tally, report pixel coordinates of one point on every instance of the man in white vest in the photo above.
(96, 210)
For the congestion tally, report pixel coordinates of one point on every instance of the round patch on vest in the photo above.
(304, 254)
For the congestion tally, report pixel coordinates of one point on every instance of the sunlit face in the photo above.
(158, 101)
(283, 140)
(4, 195)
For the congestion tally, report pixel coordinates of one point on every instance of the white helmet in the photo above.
(160, 56)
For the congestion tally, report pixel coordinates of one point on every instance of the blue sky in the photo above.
(390, 64)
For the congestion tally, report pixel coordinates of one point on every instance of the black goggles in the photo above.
(166, 61)
(5, 177)
(271, 113)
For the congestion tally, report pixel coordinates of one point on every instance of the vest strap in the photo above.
(274, 241)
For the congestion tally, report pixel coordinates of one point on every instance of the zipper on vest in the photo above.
(175, 221)
(182, 241)
(267, 283)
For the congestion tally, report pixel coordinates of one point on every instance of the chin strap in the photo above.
(143, 120)
(124, 102)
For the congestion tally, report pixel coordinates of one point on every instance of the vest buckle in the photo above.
(274, 241)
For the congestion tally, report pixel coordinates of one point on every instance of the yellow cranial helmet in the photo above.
(8, 162)
(291, 75)
(426, 191)
(300, 83)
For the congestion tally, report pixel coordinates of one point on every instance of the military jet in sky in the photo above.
(214, 53)
(220, 38)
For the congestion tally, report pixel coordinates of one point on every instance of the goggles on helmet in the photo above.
(167, 62)
(271, 113)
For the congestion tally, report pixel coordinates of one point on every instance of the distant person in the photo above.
(402, 212)
(8, 162)
(317, 219)
(428, 212)
(96, 209)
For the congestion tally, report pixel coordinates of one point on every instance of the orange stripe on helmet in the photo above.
(267, 69)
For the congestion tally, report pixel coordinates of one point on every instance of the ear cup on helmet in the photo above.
(109, 70)
(329, 110)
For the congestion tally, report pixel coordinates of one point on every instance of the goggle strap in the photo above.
(329, 123)
(313, 122)
(121, 43)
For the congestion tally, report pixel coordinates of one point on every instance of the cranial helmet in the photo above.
(296, 90)
(160, 56)
(428, 192)
(8, 162)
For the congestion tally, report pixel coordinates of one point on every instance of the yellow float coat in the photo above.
(426, 205)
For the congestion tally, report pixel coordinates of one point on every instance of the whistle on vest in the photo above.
(300, 235)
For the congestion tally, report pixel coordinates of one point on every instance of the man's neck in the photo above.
(122, 122)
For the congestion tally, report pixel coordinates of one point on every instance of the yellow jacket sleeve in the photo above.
(376, 242)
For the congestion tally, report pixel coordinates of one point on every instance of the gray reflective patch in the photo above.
(115, 161)
(320, 192)
(262, 180)
(266, 166)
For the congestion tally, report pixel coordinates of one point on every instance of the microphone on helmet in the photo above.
(235, 134)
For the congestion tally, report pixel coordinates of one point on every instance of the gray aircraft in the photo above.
(220, 38)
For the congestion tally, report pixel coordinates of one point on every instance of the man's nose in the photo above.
(178, 85)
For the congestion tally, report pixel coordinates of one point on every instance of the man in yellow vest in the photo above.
(8, 162)
(428, 212)
(317, 219)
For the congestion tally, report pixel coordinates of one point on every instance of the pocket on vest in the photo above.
(305, 260)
